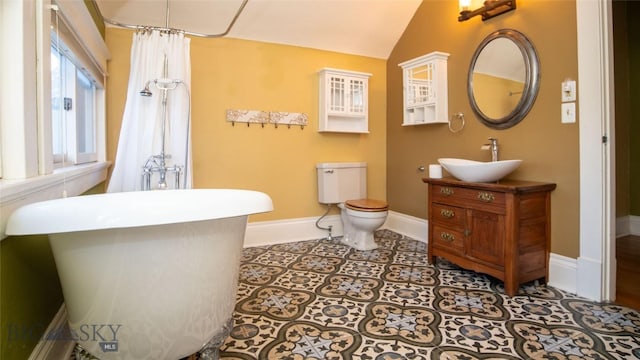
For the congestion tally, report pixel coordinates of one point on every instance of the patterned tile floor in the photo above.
(323, 300)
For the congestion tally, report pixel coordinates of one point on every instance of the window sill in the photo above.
(75, 180)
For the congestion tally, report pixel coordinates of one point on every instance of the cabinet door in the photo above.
(347, 95)
(337, 94)
(486, 237)
(357, 95)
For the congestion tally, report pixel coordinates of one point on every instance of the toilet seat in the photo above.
(369, 205)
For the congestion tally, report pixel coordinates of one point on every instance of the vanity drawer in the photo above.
(449, 215)
(469, 198)
(448, 239)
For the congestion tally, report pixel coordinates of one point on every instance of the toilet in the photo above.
(345, 184)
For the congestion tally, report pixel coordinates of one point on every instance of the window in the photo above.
(73, 110)
(75, 82)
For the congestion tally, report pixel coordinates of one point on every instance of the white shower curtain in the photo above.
(141, 130)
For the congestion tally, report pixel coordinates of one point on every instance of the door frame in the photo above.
(595, 268)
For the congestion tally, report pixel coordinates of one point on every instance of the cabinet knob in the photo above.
(485, 196)
(446, 213)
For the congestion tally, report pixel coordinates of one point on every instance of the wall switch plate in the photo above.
(568, 113)
(568, 90)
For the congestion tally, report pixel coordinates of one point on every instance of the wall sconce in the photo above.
(489, 9)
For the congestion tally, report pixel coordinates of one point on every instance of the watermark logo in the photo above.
(111, 346)
(106, 335)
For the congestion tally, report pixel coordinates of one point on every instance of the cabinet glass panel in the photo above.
(357, 96)
(421, 90)
(337, 94)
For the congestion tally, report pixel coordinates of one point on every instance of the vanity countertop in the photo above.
(511, 186)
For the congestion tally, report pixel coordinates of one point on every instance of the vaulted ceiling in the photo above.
(360, 27)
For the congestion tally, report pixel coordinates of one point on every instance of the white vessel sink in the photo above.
(478, 171)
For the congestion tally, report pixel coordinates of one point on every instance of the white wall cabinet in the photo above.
(344, 97)
(425, 96)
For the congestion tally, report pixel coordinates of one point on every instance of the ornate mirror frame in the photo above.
(531, 83)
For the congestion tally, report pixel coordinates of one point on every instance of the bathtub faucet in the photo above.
(493, 146)
(157, 164)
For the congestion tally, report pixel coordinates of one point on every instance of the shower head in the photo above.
(146, 92)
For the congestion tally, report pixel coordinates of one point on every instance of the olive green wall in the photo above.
(622, 107)
(633, 11)
(30, 293)
(626, 32)
(550, 150)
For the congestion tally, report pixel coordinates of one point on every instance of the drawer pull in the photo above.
(447, 213)
(446, 236)
(446, 191)
(485, 196)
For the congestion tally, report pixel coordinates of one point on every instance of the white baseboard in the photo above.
(290, 230)
(54, 348)
(628, 225)
(413, 227)
(589, 280)
(634, 225)
(562, 273)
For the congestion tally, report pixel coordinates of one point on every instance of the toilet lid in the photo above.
(366, 205)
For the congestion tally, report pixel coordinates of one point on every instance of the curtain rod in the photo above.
(168, 29)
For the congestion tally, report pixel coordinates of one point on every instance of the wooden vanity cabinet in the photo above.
(500, 229)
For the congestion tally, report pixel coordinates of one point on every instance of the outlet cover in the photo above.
(568, 113)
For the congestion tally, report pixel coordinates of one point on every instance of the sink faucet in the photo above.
(493, 146)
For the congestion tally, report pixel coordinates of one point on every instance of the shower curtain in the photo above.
(141, 129)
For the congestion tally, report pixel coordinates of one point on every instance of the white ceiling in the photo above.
(360, 27)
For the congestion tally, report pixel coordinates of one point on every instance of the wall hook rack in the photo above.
(267, 117)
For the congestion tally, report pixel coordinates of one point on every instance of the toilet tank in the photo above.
(341, 181)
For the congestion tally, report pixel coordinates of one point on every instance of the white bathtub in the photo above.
(146, 275)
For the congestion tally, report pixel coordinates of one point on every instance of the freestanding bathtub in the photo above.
(146, 275)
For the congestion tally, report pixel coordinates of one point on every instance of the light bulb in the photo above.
(464, 5)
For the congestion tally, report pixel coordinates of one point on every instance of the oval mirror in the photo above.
(504, 77)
